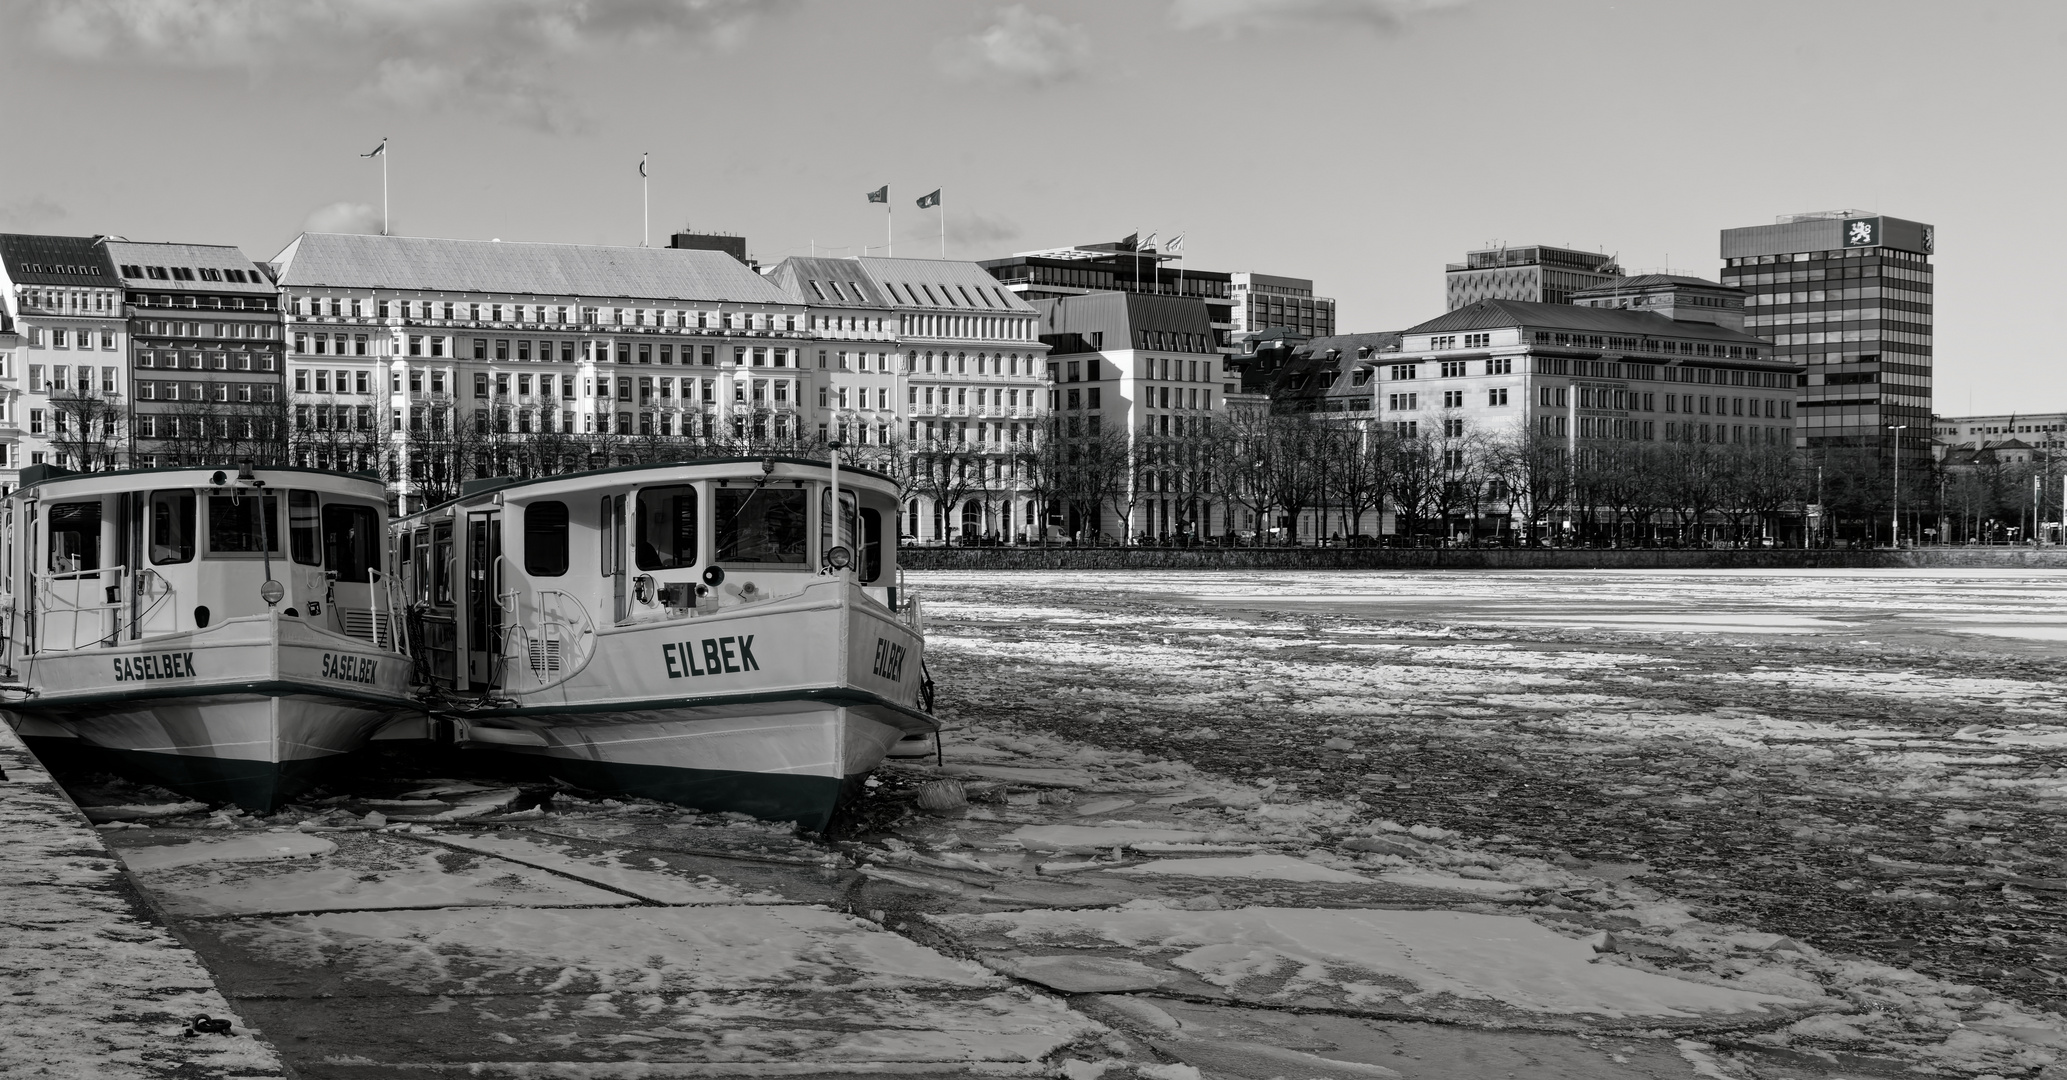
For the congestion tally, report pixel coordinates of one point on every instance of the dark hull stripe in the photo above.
(268, 688)
(829, 696)
(258, 786)
(807, 800)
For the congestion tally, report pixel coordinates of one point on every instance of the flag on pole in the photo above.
(1129, 242)
(1174, 245)
(881, 195)
(932, 200)
(378, 150)
(642, 164)
(1149, 244)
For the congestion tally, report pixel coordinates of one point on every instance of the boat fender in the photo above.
(201, 616)
(713, 576)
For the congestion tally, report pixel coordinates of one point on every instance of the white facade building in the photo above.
(496, 347)
(66, 305)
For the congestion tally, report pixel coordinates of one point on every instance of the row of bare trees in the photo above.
(1245, 476)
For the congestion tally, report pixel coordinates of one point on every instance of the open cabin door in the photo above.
(437, 565)
(80, 575)
(483, 597)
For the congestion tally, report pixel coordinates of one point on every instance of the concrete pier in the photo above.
(92, 983)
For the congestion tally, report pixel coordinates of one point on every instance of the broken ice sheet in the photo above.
(659, 950)
(1268, 867)
(364, 872)
(1451, 963)
(655, 881)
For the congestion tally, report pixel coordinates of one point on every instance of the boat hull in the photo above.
(773, 710)
(249, 714)
(777, 760)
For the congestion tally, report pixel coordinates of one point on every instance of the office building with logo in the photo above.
(1846, 297)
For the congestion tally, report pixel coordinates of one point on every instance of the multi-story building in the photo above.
(10, 361)
(2039, 431)
(1270, 302)
(204, 353)
(1137, 378)
(1845, 296)
(1125, 266)
(1536, 274)
(974, 377)
(854, 370)
(1584, 374)
(1327, 375)
(451, 357)
(65, 403)
(1675, 296)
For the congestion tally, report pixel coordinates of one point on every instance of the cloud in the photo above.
(30, 212)
(343, 217)
(1233, 17)
(498, 56)
(976, 230)
(1021, 46)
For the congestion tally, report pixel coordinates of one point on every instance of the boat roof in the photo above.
(480, 491)
(52, 479)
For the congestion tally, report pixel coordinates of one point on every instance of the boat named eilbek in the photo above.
(222, 632)
(722, 633)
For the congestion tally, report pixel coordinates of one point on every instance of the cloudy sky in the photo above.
(1362, 143)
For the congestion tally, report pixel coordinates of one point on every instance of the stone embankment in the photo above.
(92, 983)
(1338, 558)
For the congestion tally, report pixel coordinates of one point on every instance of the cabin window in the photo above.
(825, 522)
(172, 527)
(760, 525)
(234, 524)
(74, 537)
(304, 528)
(351, 541)
(441, 565)
(613, 535)
(667, 528)
(545, 539)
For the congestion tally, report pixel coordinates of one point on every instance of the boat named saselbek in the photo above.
(692, 632)
(223, 632)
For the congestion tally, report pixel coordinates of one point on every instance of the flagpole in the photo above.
(889, 240)
(942, 204)
(384, 186)
(645, 206)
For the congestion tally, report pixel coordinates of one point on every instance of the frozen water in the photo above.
(1368, 958)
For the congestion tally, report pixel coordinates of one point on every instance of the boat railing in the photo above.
(54, 604)
(385, 626)
(549, 648)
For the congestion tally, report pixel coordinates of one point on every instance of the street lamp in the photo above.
(1895, 525)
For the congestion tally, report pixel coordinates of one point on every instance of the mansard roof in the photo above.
(427, 264)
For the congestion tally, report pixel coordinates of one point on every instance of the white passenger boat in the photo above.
(693, 632)
(222, 632)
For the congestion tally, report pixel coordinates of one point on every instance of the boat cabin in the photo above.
(100, 559)
(515, 580)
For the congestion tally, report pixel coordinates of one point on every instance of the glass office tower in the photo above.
(1846, 296)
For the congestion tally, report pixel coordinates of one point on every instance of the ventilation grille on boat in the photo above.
(545, 657)
(364, 626)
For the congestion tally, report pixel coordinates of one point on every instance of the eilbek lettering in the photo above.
(177, 665)
(889, 660)
(719, 656)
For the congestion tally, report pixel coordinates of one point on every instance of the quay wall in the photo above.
(1302, 558)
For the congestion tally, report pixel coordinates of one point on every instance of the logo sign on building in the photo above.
(1862, 232)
